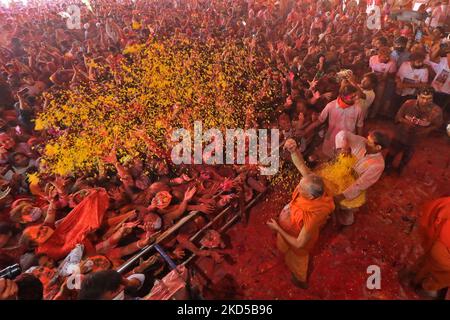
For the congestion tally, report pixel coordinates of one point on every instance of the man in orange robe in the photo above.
(434, 272)
(301, 220)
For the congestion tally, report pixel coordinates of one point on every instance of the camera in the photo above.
(11, 272)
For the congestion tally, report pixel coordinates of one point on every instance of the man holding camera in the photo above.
(416, 118)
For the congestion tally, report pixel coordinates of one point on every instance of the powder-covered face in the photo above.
(94, 264)
(162, 199)
(371, 145)
(417, 64)
(154, 221)
(38, 234)
(6, 141)
(424, 100)
(384, 58)
(31, 214)
(349, 99)
(21, 160)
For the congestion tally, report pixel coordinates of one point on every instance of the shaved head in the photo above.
(312, 186)
(157, 187)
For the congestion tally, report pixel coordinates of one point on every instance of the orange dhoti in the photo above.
(302, 213)
(434, 273)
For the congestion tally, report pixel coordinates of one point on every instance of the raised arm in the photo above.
(297, 157)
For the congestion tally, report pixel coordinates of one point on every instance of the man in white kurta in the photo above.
(368, 167)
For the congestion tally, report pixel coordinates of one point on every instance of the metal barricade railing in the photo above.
(191, 215)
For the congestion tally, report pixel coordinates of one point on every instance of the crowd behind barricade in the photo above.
(334, 73)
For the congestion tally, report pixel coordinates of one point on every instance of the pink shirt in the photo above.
(339, 119)
(369, 167)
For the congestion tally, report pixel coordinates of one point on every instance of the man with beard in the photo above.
(400, 54)
(411, 76)
(368, 168)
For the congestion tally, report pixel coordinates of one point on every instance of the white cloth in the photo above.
(72, 260)
(339, 119)
(140, 277)
(408, 74)
(441, 82)
(369, 167)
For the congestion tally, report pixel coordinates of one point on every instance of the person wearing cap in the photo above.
(415, 119)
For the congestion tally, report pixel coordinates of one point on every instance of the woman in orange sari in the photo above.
(300, 221)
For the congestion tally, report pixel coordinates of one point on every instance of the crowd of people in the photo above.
(334, 74)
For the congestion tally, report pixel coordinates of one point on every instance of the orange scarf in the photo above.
(310, 210)
(342, 104)
(85, 218)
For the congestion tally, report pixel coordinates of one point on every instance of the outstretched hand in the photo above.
(290, 145)
(190, 193)
(8, 289)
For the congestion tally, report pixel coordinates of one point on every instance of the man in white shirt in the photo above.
(441, 83)
(411, 76)
(368, 167)
(344, 113)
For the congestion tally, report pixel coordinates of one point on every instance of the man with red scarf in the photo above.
(344, 113)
